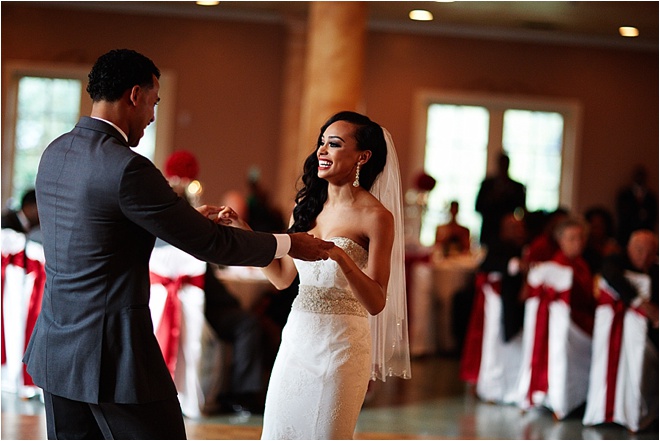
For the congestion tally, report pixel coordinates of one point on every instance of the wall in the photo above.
(618, 92)
(228, 77)
(229, 83)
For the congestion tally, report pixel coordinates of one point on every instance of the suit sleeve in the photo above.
(147, 200)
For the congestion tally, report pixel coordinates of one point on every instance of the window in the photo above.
(461, 136)
(44, 102)
(47, 107)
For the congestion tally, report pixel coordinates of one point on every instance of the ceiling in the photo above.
(574, 22)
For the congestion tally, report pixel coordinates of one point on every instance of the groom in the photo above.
(101, 205)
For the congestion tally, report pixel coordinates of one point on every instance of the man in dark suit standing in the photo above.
(93, 349)
(498, 196)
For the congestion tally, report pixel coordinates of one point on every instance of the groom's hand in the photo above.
(306, 247)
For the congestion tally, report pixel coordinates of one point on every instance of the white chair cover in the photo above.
(23, 278)
(197, 362)
(500, 361)
(623, 383)
(568, 351)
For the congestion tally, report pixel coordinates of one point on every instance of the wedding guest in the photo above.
(636, 206)
(93, 350)
(498, 195)
(544, 245)
(506, 257)
(351, 195)
(26, 218)
(600, 241)
(452, 238)
(641, 257)
(571, 234)
(262, 213)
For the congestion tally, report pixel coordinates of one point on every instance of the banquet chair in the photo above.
(556, 352)
(192, 351)
(488, 361)
(23, 279)
(623, 382)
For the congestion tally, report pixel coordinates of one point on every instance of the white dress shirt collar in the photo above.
(113, 125)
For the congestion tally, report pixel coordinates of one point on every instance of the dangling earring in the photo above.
(356, 183)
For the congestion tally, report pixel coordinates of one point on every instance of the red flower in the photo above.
(424, 182)
(182, 164)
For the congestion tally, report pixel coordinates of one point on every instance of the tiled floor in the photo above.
(434, 404)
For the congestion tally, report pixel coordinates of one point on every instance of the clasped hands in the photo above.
(304, 246)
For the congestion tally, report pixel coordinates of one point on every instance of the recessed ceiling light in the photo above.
(628, 31)
(420, 15)
(207, 2)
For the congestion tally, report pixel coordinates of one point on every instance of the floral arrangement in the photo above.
(182, 164)
(424, 182)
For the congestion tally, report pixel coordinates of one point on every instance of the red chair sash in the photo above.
(472, 348)
(169, 328)
(539, 361)
(36, 268)
(619, 309)
(18, 260)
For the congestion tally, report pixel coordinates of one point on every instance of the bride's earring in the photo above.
(356, 183)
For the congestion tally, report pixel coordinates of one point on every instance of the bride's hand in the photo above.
(229, 217)
(209, 211)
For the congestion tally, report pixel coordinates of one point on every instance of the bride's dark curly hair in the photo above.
(314, 192)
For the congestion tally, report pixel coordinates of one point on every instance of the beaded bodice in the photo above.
(323, 287)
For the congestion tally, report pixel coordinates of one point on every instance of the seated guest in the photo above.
(26, 217)
(641, 257)
(505, 257)
(570, 235)
(601, 241)
(452, 238)
(544, 245)
(242, 330)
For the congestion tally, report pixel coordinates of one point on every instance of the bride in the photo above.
(348, 323)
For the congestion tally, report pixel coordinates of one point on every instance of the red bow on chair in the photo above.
(539, 363)
(36, 268)
(169, 328)
(18, 260)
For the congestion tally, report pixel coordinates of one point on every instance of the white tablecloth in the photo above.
(430, 300)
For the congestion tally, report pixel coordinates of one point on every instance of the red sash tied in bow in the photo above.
(169, 328)
(36, 268)
(539, 363)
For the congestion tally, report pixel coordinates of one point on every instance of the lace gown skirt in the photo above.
(320, 377)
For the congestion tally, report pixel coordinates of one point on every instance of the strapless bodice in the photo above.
(323, 287)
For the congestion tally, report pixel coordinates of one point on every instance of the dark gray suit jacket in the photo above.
(101, 207)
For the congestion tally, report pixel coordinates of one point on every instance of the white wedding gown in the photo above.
(320, 376)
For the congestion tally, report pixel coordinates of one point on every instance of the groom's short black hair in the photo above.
(117, 71)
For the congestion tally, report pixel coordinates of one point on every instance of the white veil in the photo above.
(389, 329)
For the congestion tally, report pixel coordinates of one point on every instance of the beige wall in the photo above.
(617, 90)
(228, 98)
